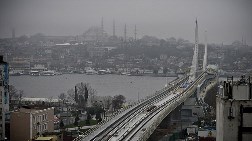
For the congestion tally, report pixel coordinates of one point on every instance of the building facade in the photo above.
(234, 111)
(4, 95)
(28, 123)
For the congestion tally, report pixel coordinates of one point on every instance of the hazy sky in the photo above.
(225, 20)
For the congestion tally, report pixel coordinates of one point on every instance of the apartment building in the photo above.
(234, 110)
(27, 123)
(4, 95)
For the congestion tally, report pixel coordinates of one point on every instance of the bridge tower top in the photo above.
(205, 55)
(194, 67)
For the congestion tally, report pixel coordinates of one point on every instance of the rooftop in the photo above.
(44, 138)
(33, 109)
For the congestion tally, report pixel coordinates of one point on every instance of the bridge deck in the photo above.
(139, 121)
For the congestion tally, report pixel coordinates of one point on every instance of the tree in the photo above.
(21, 94)
(81, 93)
(118, 101)
(61, 124)
(91, 110)
(155, 71)
(76, 120)
(165, 70)
(98, 117)
(76, 98)
(86, 93)
(13, 92)
(88, 119)
(71, 95)
(62, 97)
(50, 100)
(107, 102)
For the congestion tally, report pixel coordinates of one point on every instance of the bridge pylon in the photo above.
(194, 67)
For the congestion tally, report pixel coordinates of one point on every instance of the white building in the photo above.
(4, 95)
(234, 111)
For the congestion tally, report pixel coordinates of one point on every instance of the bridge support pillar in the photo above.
(169, 125)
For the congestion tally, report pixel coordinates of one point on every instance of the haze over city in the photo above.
(125, 70)
(225, 20)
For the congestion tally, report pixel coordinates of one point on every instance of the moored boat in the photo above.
(47, 73)
(34, 73)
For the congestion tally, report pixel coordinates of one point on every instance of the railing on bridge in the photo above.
(163, 110)
(170, 106)
(120, 114)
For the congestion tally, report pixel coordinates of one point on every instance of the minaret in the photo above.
(102, 28)
(13, 33)
(125, 32)
(196, 46)
(242, 40)
(194, 67)
(135, 32)
(205, 55)
(114, 28)
(102, 25)
(102, 32)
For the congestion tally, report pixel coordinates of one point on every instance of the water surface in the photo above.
(105, 85)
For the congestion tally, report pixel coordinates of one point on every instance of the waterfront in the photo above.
(105, 85)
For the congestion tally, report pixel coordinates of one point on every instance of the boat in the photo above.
(134, 74)
(91, 72)
(34, 73)
(47, 73)
(102, 72)
(15, 73)
(58, 73)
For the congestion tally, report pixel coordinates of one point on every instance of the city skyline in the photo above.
(225, 21)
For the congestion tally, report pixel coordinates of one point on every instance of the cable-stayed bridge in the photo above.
(139, 121)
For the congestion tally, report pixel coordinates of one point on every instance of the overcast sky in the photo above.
(224, 20)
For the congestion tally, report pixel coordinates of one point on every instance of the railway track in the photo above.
(123, 117)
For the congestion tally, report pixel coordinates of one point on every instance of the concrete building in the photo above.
(97, 51)
(4, 95)
(207, 134)
(190, 111)
(234, 110)
(28, 123)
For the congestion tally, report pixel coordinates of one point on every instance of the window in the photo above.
(5, 98)
(1, 96)
(34, 119)
(44, 117)
(40, 128)
(46, 126)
